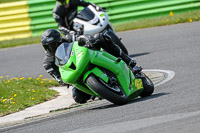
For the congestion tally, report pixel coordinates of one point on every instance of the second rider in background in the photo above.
(66, 10)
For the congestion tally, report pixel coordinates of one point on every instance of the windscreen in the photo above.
(86, 14)
(63, 53)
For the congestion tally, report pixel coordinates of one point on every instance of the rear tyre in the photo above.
(116, 40)
(148, 86)
(113, 94)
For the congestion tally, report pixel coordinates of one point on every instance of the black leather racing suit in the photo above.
(64, 16)
(49, 63)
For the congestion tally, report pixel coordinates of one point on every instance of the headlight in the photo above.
(95, 21)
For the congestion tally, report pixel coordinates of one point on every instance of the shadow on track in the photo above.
(140, 54)
(131, 102)
(147, 98)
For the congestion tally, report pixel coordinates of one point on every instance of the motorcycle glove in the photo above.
(59, 80)
(87, 41)
(98, 8)
(68, 38)
(64, 30)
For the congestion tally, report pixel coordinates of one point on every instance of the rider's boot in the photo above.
(115, 50)
(137, 69)
(128, 60)
(132, 63)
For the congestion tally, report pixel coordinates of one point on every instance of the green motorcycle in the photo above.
(100, 74)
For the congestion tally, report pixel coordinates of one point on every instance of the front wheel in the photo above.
(112, 93)
(148, 86)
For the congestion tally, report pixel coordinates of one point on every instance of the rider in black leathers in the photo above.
(64, 13)
(51, 39)
(66, 10)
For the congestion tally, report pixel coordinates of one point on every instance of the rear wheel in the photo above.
(112, 93)
(148, 86)
(116, 40)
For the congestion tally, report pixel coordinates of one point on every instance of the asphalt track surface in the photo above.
(174, 106)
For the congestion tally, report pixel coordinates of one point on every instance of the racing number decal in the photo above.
(138, 83)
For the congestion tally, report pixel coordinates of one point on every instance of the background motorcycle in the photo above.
(94, 19)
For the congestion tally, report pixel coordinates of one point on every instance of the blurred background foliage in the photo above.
(4, 1)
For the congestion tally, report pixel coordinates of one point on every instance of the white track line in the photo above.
(170, 75)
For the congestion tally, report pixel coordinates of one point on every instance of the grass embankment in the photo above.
(19, 42)
(144, 23)
(19, 93)
(160, 21)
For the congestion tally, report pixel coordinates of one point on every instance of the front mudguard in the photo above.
(96, 71)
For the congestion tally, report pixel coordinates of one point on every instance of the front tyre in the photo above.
(148, 86)
(113, 94)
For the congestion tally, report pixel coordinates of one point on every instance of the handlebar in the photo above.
(75, 34)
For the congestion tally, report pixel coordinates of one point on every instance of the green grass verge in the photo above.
(19, 93)
(160, 21)
(144, 23)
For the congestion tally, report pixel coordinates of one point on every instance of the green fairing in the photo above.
(85, 89)
(80, 56)
(124, 75)
(98, 73)
(88, 61)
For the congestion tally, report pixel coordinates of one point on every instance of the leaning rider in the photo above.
(66, 10)
(51, 39)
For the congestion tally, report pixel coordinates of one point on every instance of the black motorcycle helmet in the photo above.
(50, 40)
